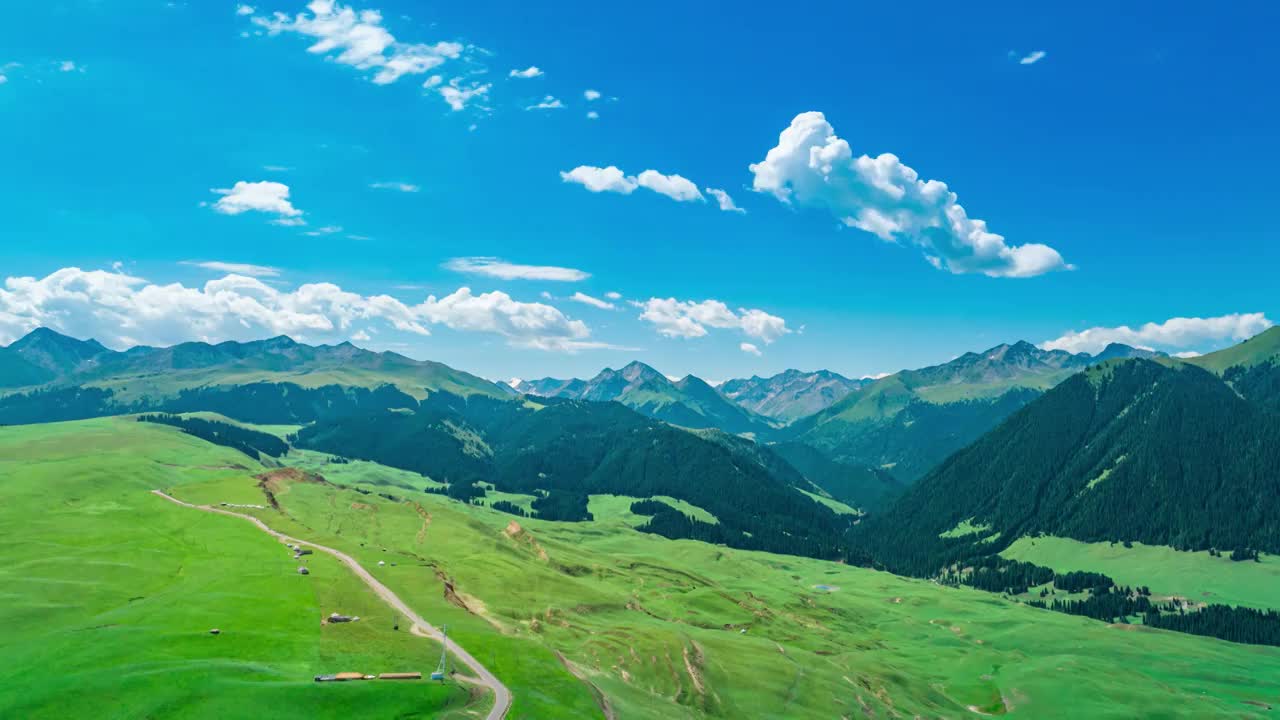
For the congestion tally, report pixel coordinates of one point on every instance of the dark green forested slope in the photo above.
(575, 448)
(860, 486)
(1165, 454)
(910, 421)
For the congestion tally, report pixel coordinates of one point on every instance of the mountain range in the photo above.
(792, 394)
(44, 357)
(689, 402)
(908, 422)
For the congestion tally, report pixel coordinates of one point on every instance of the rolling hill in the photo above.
(689, 402)
(910, 421)
(790, 395)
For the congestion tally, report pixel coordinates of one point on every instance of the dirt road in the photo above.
(502, 696)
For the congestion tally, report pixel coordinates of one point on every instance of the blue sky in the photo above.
(1138, 151)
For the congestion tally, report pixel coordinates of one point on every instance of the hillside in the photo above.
(862, 487)
(908, 422)
(689, 402)
(790, 395)
(1127, 451)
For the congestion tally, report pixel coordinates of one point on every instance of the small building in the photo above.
(339, 618)
(326, 678)
(400, 676)
(303, 571)
(215, 631)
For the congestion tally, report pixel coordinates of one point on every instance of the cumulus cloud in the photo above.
(811, 166)
(231, 267)
(593, 115)
(1171, 334)
(459, 97)
(726, 203)
(1032, 58)
(676, 187)
(68, 66)
(358, 39)
(612, 179)
(591, 95)
(595, 179)
(401, 186)
(245, 9)
(493, 267)
(613, 295)
(689, 319)
(122, 310)
(750, 349)
(530, 72)
(267, 197)
(585, 299)
(550, 102)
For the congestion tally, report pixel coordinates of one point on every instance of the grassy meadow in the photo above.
(1197, 576)
(110, 591)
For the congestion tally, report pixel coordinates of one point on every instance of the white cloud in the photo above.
(550, 102)
(326, 230)
(689, 319)
(276, 168)
(266, 197)
(358, 39)
(229, 267)
(676, 187)
(750, 349)
(592, 301)
(459, 97)
(530, 72)
(591, 95)
(611, 179)
(68, 66)
(725, 202)
(3, 79)
(1187, 354)
(876, 376)
(245, 10)
(608, 179)
(613, 295)
(493, 267)
(121, 310)
(401, 186)
(432, 81)
(593, 115)
(1033, 58)
(811, 166)
(1171, 334)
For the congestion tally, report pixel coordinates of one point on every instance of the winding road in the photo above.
(501, 695)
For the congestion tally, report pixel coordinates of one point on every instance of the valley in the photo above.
(600, 561)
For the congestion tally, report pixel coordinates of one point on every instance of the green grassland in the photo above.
(109, 592)
(1196, 576)
(571, 616)
(280, 431)
(832, 503)
(655, 626)
(615, 508)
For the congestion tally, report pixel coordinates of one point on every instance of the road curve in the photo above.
(501, 695)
